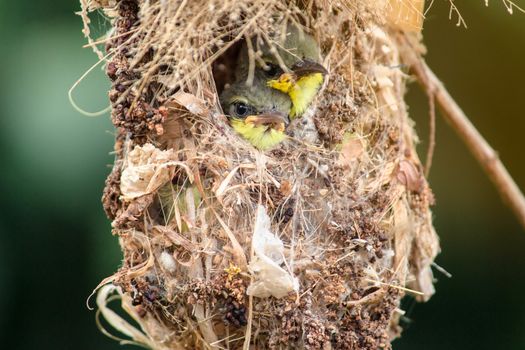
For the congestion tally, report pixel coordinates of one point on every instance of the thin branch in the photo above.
(431, 132)
(482, 151)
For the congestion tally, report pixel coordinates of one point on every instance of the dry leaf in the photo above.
(409, 176)
(116, 321)
(192, 103)
(146, 169)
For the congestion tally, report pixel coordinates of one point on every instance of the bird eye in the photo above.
(272, 70)
(240, 109)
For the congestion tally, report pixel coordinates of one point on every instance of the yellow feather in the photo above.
(262, 137)
(285, 83)
(301, 92)
(304, 92)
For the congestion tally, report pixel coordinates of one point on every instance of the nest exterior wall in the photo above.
(346, 193)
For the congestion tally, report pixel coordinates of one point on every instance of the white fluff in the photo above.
(167, 261)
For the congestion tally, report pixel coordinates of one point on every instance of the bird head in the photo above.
(298, 54)
(303, 69)
(258, 113)
(297, 72)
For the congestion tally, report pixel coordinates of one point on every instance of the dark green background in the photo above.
(55, 242)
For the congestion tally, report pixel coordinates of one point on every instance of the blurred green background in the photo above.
(56, 245)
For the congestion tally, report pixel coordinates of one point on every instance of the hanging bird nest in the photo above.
(312, 244)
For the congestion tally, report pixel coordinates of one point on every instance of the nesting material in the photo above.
(147, 169)
(311, 245)
(270, 278)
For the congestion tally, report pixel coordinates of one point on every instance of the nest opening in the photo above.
(223, 67)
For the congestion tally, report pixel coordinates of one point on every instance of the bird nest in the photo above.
(309, 245)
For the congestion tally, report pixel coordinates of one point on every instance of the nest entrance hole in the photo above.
(224, 66)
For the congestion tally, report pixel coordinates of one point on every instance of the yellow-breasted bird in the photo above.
(258, 113)
(300, 54)
(301, 85)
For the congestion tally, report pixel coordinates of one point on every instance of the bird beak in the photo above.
(307, 67)
(274, 120)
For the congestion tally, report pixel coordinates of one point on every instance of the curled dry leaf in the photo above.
(192, 103)
(146, 169)
(409, 176)
(116, 321)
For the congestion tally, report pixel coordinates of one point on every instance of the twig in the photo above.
(431, 132)
(482, 151)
